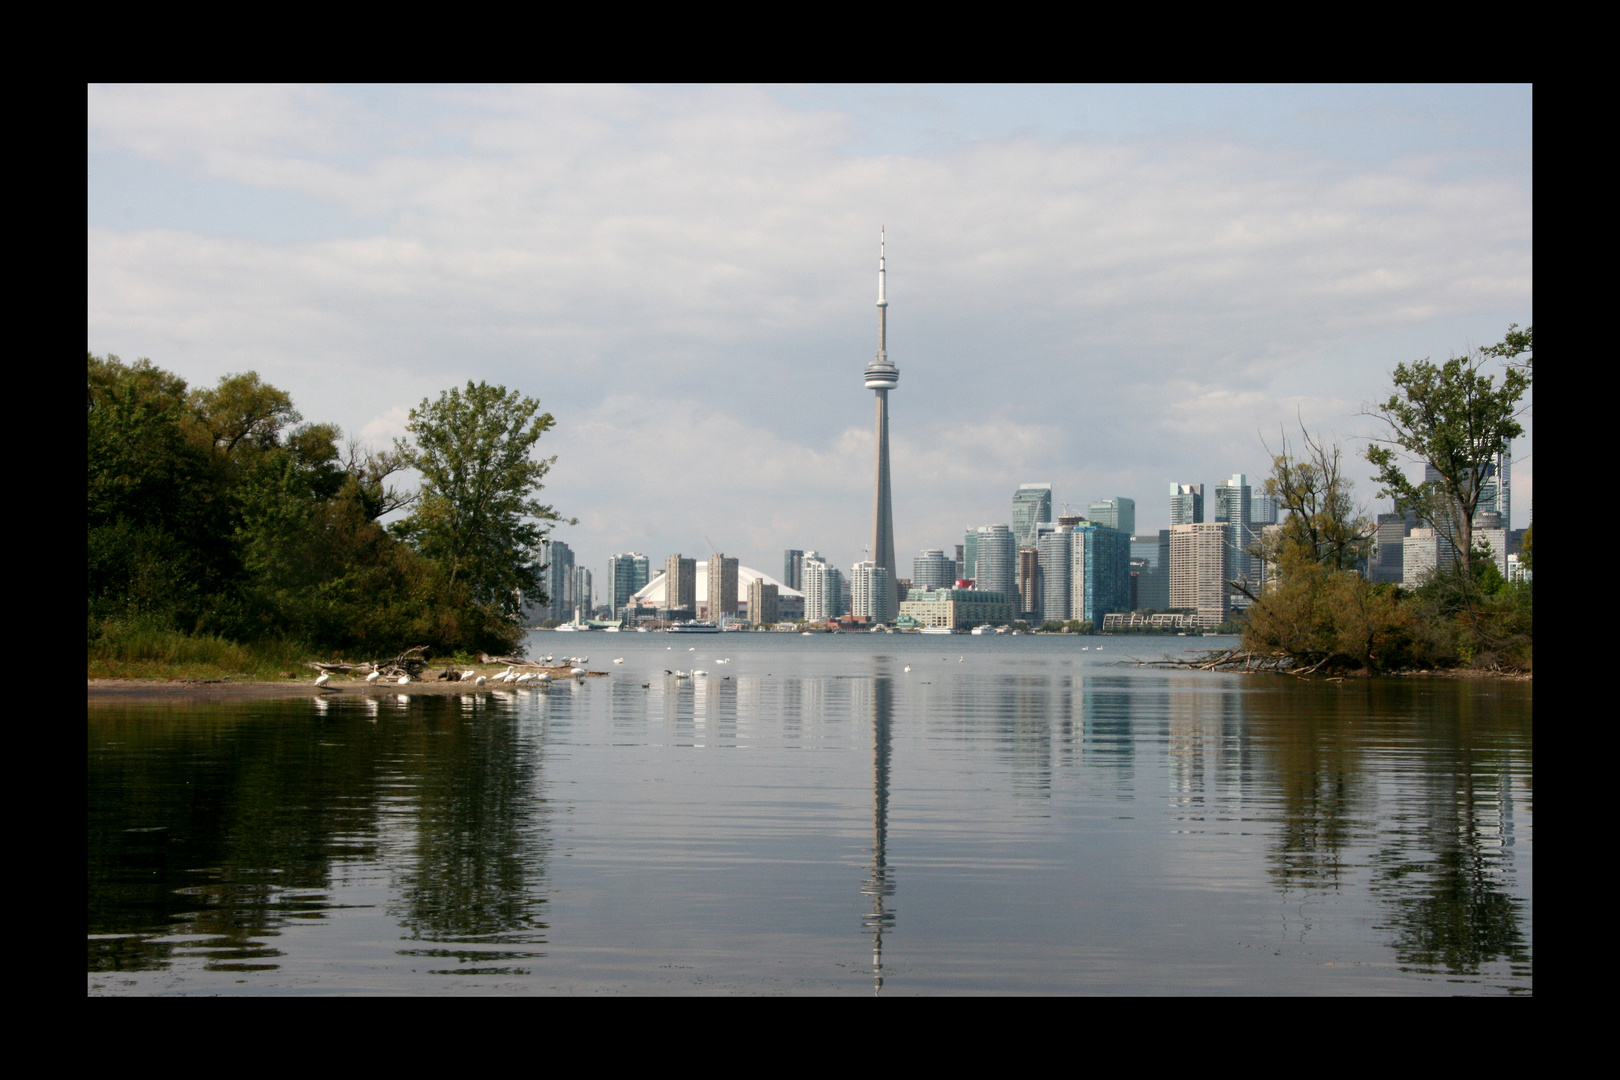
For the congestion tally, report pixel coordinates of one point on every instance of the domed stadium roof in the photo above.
(652, 594)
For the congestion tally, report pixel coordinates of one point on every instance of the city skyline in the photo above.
(1108, 289)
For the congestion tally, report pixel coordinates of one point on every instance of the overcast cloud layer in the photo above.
(1107, 289)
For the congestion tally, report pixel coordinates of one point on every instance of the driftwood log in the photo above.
(412, 662)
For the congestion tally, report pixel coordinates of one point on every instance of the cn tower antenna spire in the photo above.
(881, 377)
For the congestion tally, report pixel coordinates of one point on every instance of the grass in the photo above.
(123, 651)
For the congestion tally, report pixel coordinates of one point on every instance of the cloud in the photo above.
(681, 273)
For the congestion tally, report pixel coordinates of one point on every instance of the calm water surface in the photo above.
(1014, 815)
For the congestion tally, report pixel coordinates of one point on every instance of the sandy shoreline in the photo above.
(301, 687)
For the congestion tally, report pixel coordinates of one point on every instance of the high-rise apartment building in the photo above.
(1198, 571)
(722, 583)
(1099, 572)
(556, 574)
(932, 571)
(627, 575)
(1387, 564)
(872, 593)
(969, 568)
(1422, 553)
(763, 602)
(1153, 578)
(1031, 503)
(1118, 513)
(1056, 596)
(791, 558)
(1233, 509)
(580, 596)
(823, 589)
(997, 569)
(680, 584)
(1029, 585)
(1186, 504)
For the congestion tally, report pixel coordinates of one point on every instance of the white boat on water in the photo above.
(938, 630)
(978, 631)
(693, 628)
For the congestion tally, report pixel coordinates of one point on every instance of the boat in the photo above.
(978, 631)
(938, 630)
(693, 628)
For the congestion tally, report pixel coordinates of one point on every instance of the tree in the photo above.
(476, 516)
(1320, 517)
(1454, 419)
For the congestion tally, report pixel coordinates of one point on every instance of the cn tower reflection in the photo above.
(879, 883)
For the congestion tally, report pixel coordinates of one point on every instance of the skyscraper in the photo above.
(680, 584)
(997, 569)
(881, 377)
(1099, 572)
(580, 596)
(791, 558)
(722, 582)
(1232, 507)
(823, 589)
(556, 576)
(1031, 503)
(1198, 571)
(1118, 513)
(1186, 504)
(932, 571)
(1056, 596)
(627, 574)
(871, 593)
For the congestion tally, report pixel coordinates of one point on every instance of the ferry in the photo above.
(939, 630)
(693, 628)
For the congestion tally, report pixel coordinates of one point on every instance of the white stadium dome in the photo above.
(652, 594)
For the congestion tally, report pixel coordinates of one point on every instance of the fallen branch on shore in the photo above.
(412, 662)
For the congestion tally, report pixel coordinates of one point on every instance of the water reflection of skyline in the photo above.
(445, 808)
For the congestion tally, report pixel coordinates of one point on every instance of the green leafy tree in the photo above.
(476, 516)
(1454, 418)
(1318, 514)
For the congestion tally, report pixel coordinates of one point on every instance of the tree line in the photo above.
(219, 511)
(1319, 611)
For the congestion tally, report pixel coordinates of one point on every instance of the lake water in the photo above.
(1011, 816)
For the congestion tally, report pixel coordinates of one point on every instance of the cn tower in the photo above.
(882, 376)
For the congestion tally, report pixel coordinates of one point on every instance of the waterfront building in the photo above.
(1031, 503)
(556, 574)
(1029, 585)
(680, 584)
(881, 377)
(997, 562)
(1488, 531)
(823, 589)
(763, 606)
(1232, 508)
(969, 562)
(1152, 552)
(1054, 554)
(1186, 504)
(722, 587)
(1099, 572)
(1118, 513)
(580, 595)
(790, 567)
(871, 592)
(627, 575)
(1198, 571)
(932, 570)
(959, 609)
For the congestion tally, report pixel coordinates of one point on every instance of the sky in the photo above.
(1107, 288)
